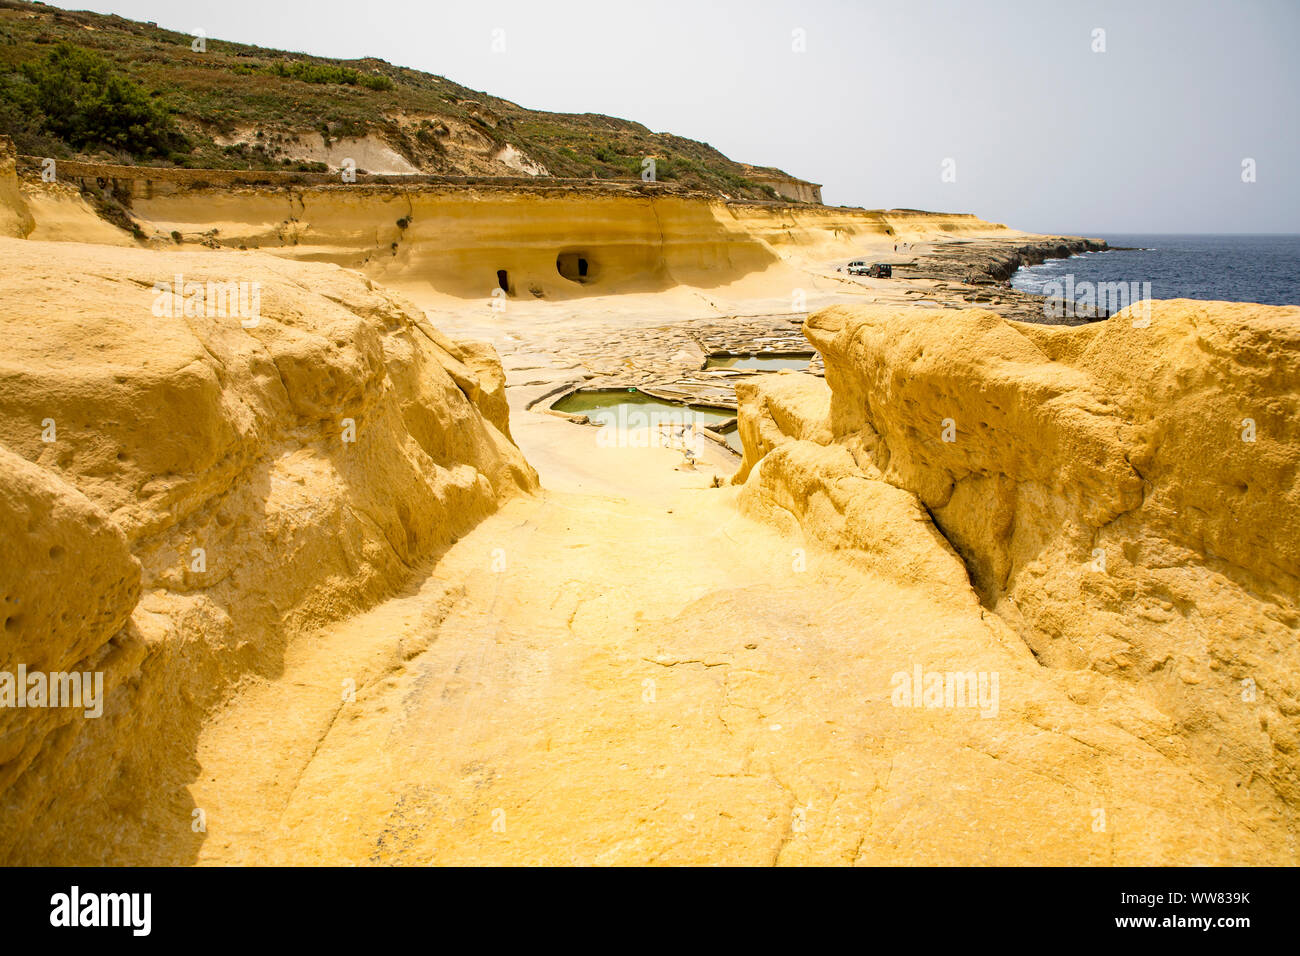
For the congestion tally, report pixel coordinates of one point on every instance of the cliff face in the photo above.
(472, 241)
(457, 240)
(189, 489)
(1124, 495)
(15, 218)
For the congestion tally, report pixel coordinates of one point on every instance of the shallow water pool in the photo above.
(763, 362)
(631, 409)
(733, 441)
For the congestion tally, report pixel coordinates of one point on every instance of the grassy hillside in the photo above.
(142, 94)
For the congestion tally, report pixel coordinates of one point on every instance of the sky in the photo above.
(1020, 112)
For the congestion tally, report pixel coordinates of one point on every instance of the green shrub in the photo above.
(328, 73)
(82, 101)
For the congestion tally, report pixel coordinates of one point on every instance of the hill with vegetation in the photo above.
(92, 86)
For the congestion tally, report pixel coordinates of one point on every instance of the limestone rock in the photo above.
(69, 583)
(886, 528)
(780, 408)
(15, 218)
(1123, 494)
(251, 474)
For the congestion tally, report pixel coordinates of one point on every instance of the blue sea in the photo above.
(1234, 268)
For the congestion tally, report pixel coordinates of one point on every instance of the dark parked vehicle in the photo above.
(878, 270)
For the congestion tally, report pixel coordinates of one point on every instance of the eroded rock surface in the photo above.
(1123, 494)
(186, 490)
(332, 628)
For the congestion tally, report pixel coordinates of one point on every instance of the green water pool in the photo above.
(762, 362)
(628, 410)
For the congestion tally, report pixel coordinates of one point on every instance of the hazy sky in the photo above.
(1044, 133)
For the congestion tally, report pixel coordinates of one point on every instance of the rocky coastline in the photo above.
(670, 361)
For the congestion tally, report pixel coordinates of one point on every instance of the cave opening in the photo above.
(503, 280)
(574, 266)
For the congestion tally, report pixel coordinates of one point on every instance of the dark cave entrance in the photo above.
(574, 266)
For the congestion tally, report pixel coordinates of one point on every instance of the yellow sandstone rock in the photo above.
(457, 240)
(15, 218)
(242, 472)
(989, 593)
(1123, 494)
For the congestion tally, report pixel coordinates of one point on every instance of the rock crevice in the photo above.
(1124, 496)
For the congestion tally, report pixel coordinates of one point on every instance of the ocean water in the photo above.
(1233, 268)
